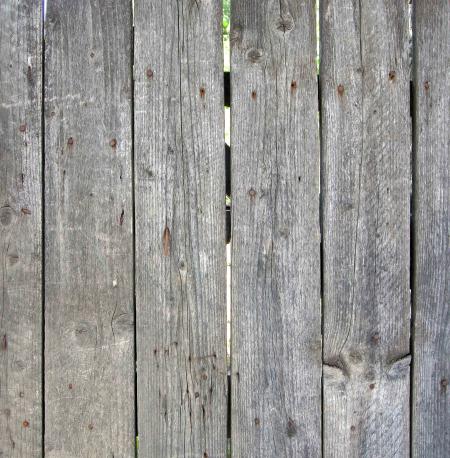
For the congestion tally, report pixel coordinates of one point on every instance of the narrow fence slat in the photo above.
(366, 185)
(89, 316)
(180, 229)
(431, 400)
(276, 316)
(20, 229)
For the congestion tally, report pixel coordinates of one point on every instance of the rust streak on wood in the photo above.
(166, 241)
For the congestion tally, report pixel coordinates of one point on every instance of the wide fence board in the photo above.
(89, 314)
(431, 374)
(180, 229)
(276, 335)
(366, 185)
(20, 229)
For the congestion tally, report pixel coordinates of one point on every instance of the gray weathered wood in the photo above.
(366, 203)
(431, 400)
(89, 344)
(180, 237)
(276, 336)
(20, 229)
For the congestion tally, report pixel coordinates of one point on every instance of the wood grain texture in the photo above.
(180, 222)
(366, 184)
(431, 401)
(276, 339)
(20, 229)
(89, 324)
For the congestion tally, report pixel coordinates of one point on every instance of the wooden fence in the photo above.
(112, 229)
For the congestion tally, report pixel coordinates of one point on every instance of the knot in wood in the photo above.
(285, 23)
(254, 55)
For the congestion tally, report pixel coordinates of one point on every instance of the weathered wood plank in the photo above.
(431, 401)
(20, 229)
(366, 202)
(89, 343)
(276, 319)
(180, 237)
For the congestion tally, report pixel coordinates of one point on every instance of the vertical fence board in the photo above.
(276, 339)
(180, 237)
(366, 202)
(20, 229)
(89, 343)
(431, 401)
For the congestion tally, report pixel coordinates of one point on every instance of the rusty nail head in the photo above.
(149, 73)
(113, 143)
(340, 89)
(70, 141)
(25, 423)
(23, 127)
(392, 75)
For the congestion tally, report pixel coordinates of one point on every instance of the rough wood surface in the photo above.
(180, 222)
(366, 143)
(431, 400)
(276, 341)
(89, 344)
(20, 229)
